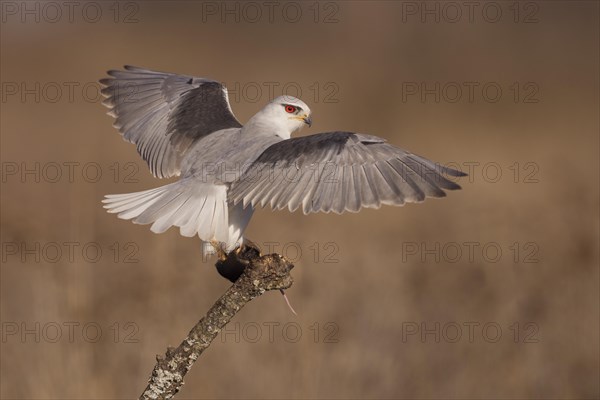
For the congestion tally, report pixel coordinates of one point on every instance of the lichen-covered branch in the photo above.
(264, 273)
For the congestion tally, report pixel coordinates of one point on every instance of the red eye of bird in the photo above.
(290, 109)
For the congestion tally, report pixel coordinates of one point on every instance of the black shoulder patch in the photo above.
(202, 111)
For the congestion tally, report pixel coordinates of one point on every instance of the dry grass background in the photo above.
(373, 292)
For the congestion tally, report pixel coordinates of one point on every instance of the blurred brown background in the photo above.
(392, 303)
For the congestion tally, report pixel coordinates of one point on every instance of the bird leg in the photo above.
(247, 243)
(221, 254)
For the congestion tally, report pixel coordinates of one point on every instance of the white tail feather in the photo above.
(194, 208)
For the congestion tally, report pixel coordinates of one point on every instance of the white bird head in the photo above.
(285, 114)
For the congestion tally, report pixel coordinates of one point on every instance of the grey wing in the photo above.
(164, 113)
(339, 171)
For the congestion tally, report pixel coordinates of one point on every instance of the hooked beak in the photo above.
(307, 120)
(304, 118)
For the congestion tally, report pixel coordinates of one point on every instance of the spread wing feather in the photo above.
(339, 171)
(164, 113)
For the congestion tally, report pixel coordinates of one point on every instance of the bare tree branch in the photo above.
(264, 273)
